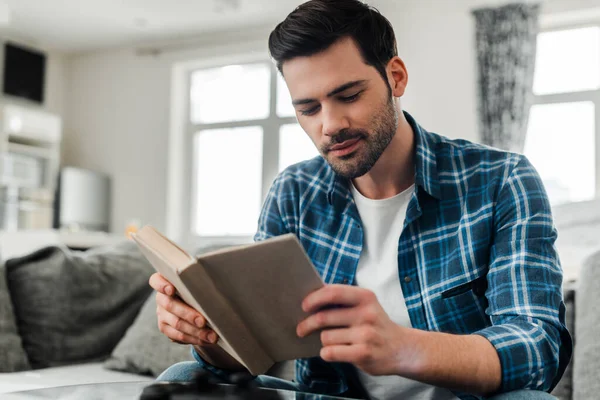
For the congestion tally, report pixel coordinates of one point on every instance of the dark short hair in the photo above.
(317, 24)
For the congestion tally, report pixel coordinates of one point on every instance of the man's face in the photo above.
(344, 105)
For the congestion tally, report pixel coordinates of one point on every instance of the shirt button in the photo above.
(407, 279)
(345, 281)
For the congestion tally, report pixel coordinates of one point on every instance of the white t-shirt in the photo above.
(382, 223)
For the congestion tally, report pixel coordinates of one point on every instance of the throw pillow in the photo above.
(75, 306)
(144, 349)
(12, 354)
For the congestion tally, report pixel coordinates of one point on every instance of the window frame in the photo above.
(187, 173)
(579, 96)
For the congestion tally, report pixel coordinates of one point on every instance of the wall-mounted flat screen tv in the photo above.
(24, 72)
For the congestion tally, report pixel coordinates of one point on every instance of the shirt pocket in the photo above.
(461, 309)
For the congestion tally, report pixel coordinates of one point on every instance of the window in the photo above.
(241, 131)
(227, 164)
(294, 146)
(564, 131)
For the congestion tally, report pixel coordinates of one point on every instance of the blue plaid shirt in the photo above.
(476, 255)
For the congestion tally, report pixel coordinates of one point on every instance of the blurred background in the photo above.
(120, 113)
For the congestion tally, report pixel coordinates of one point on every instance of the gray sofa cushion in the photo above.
(12, 355)
(586, 361)
(75, 306)
(144, 349)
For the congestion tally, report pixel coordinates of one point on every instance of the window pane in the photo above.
(560, 144)
(284, 100)
(294, 146)
(567, 61)
(231, 93)
(228, 185)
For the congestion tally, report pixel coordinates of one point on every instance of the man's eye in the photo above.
(350, 99)
(310, 111)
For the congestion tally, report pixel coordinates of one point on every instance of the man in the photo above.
(440, 251)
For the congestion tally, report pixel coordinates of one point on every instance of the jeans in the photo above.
(184, 372)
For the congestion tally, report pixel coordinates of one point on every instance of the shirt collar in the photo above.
(426, 173)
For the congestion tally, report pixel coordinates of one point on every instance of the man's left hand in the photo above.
(356, 329)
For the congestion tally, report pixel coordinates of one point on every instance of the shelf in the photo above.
(33, 151)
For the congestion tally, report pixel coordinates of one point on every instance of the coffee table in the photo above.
(92, 391)
(133, 390)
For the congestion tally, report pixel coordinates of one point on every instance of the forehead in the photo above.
(312, 76)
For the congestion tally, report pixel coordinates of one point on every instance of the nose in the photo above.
(333, 120)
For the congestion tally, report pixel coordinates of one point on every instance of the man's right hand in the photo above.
(177, 320)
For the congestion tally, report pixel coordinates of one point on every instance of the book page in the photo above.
(177, 259)
(168, 259)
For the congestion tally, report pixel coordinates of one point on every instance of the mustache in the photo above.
(344, 135)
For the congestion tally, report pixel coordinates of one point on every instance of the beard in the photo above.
(359, 162)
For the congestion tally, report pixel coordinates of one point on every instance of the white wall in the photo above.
(435, 40)
(56, 80)
(118, 122)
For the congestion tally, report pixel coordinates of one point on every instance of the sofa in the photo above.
(71, 317)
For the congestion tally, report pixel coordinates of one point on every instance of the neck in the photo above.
(394, 172)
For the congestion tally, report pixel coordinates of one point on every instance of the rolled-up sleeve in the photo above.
(524, 286)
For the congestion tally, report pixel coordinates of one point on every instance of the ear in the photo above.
(397, 76)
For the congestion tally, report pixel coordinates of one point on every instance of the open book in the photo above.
(251, 295)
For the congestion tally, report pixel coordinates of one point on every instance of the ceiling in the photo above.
(84, 25)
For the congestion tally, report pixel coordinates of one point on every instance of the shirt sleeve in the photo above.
(524, 286)
(270, 224)
(271, 221)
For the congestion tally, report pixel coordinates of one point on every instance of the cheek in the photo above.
(362, 114)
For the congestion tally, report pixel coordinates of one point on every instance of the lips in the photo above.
(344, 144)
(345, 148)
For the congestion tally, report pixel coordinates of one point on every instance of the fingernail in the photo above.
(305, 306)
(212, 337)
(169, 290)
(199, 322)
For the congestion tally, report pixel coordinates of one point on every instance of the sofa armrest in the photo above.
(586, 361)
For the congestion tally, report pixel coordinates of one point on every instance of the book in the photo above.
(250, 295)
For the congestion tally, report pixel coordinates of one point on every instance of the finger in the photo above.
(330, 337)
(357, 335)
(355, 354)
(180, 309)
(160, 284)
(180, 337)
(206, 334)
(334, 318)
(333, 295)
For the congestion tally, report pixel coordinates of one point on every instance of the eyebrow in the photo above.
(335, 91)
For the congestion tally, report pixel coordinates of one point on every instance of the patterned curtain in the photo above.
(506, 44)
